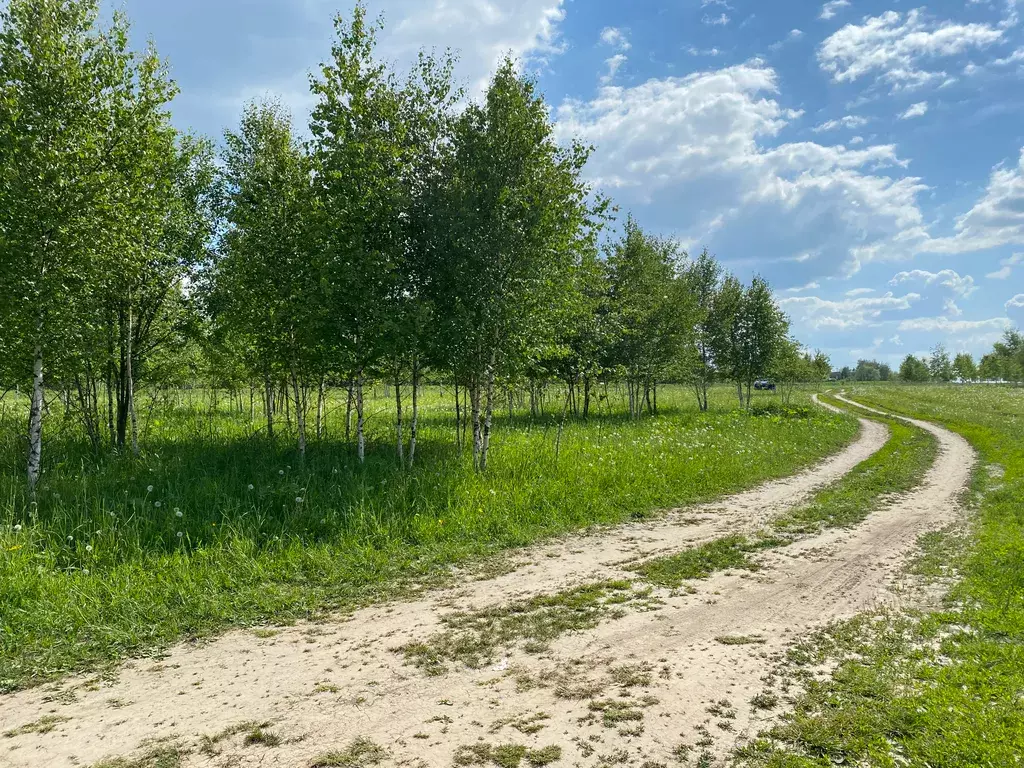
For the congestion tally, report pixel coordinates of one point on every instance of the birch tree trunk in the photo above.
(474, 396)
(485, 441)
(398, 422)
(300, 413)
(130, 384)
(348, 411)
(360, 421)
(414, 424)
(269, 387)
(458, 419)
(320, 409)
(35, 422)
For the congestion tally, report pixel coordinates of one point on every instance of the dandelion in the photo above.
(149, 489)
(70, 539)
(85, 571)
(298, 499)
(180, 534)
(251, 486)
(17, 528)
(157, 504)
(280, 471)
(178, 513)
(88, 547)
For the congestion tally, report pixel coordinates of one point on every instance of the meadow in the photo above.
(212, 526)
(939, 688)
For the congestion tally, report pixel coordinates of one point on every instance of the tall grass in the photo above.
(212, 526)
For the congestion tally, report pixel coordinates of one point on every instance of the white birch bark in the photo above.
(35, 422)
(360, 421)
(300, 413)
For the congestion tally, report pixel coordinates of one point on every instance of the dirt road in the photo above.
(644, 683)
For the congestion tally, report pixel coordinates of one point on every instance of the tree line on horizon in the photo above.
(1005, 363)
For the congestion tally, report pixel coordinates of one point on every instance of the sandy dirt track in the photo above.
(322, 686)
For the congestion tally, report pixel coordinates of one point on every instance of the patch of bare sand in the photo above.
(692, 666)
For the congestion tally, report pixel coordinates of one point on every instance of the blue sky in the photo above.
(866, 157)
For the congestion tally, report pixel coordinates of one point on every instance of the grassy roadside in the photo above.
(210, 530)
(898, 467)
(940, 689)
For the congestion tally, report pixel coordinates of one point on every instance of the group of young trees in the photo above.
(411, 235)
(1004, 363)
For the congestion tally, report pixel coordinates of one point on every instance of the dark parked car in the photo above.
(764, 386)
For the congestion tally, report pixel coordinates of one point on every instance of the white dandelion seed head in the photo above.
(157, 504)
(280, 471)
(180, 534)
(149, 489)
(71, 538)
(85, 571)
(88, 547)
(298, 499)
(178, 513)
(251, 486)
(17, 528)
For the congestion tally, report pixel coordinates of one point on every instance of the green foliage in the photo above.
(914, 370)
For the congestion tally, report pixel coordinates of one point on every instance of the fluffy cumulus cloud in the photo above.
(845, 314)
(996, 219)
(960, 285)
(708, 142)
(1017, 301)
(900, 49)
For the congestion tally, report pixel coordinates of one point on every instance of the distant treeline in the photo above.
(1004, 363)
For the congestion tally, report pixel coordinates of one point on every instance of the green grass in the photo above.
(105, 567)
(942, 688)
(898, 467)
(475, 638)
(701, 561)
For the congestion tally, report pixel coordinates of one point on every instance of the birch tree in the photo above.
(62, 82)
(264, 287)
(514, 217)
(360, 156)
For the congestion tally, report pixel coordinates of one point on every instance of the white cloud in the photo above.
(812, 286)
(959, 285)
(842, 315)
(996, 219)
(896, 341)
(709, 137)
(949, 306)
(945, 325)
(614, 64)
(859, 291)
(1006, 267)
(847, 121)
(831, 8)
(1016, 301)
(893, 47)
(616, 38)
(482, 32)
(855, 140)
(716, 21)
(915, 110)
